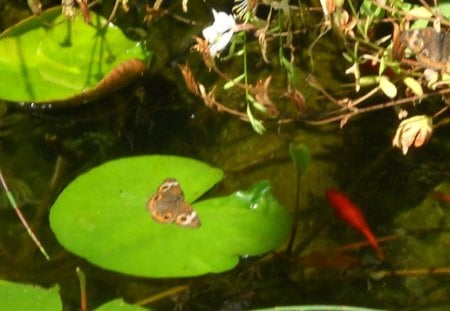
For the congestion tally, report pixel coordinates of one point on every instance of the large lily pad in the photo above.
(52, 59)
(101, 216)
(21, 297)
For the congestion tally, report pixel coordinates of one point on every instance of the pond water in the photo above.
(42, 152)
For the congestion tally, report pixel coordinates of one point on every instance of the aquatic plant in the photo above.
(128, 240)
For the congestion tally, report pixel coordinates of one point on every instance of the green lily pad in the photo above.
(18, 297)
(101, 216)
(53, 59)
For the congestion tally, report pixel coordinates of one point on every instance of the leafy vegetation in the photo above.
(377, 40)
(16, 296)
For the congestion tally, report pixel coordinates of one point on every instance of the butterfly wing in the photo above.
(160, 209)
(167, 205)
(187, 216)
(430, 47)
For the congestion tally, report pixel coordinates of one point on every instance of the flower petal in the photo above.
(220, 32)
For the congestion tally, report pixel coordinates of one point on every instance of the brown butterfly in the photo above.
(167, 205)
(432, 48)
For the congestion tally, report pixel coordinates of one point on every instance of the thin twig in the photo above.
(312, 235)
(441, 111)
(353, 103)
(113, 13)
(294, 229)
(410, 272)
(12, 201)
(375, 107)
(164, 294)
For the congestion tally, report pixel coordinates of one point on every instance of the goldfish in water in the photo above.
(441, 196)
(353, 216)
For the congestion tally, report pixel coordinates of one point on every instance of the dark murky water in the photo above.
(40, 153)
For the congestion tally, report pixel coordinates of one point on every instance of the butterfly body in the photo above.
(432, 48)
(167, 205)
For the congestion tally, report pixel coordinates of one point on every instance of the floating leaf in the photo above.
(301, 157)
(51, 58)
(110, 226)
(14, 296)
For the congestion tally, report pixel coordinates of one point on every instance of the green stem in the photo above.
(244, 52)
(12, 201)
(296, 215)
(311, 235)
(280, 40)
(82, 281)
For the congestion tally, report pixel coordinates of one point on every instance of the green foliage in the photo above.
(445, 9)
(301, 157)
(51, 58)
(21, 297)
(373, 39)
(101, 216)
(388, 88)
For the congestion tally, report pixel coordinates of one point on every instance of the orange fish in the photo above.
(353, 216)
(441, 196)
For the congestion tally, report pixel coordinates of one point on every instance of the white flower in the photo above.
(415, 130)
(220, 32)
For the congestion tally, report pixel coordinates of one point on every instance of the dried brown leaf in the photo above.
(202, 46)
(261, 92)
(297, 98)
(189, 79)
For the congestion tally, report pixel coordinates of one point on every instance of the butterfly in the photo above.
(432, 48)
(167, 205)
